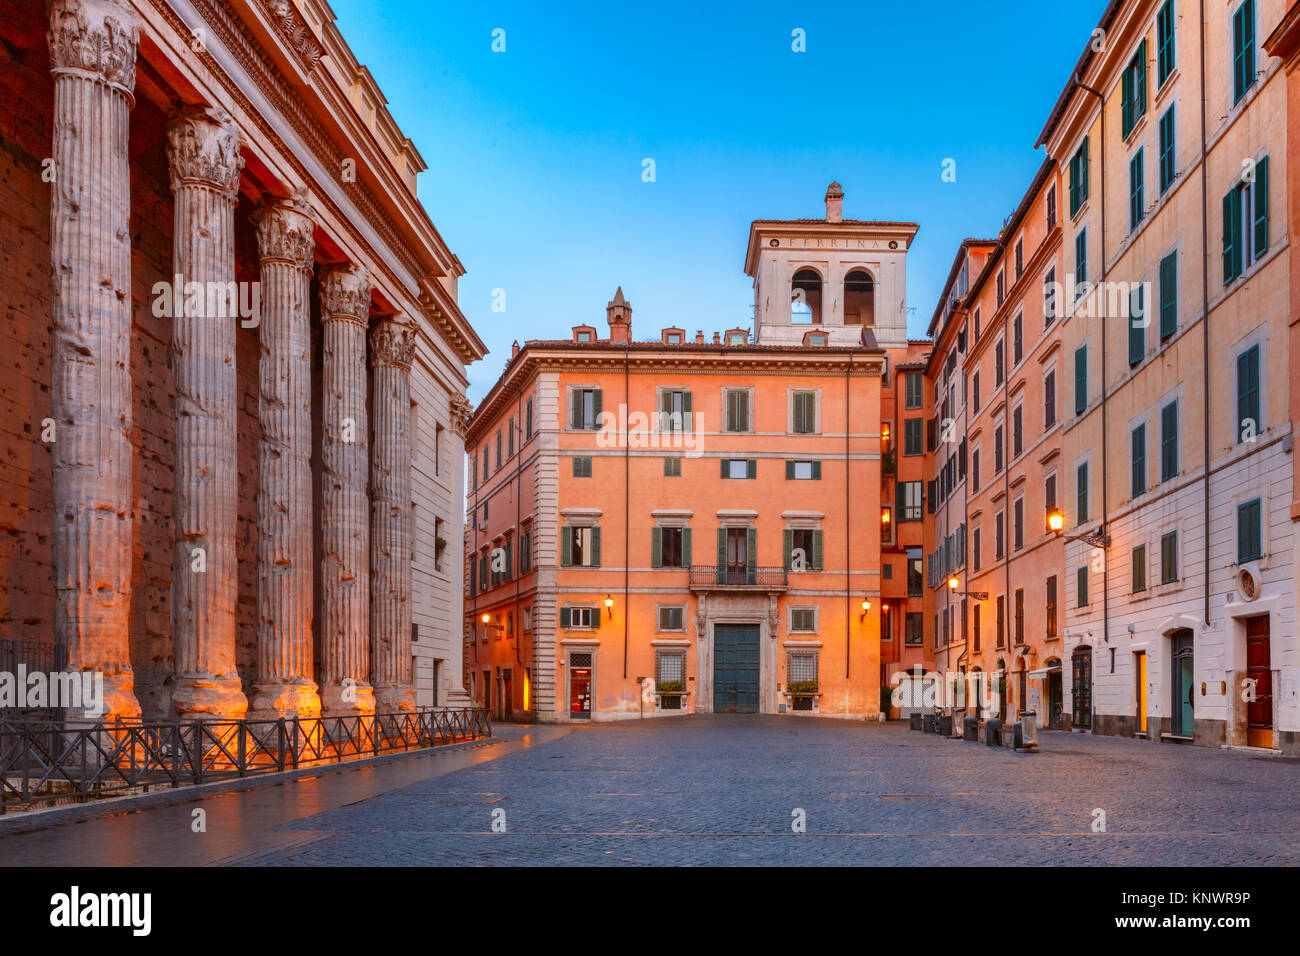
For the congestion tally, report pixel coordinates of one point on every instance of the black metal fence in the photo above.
(52, 762)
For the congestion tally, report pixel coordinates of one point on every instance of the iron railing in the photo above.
(710, 576)
(61, 761)
(36, 657)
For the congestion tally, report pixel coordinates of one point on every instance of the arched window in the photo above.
(806, 298)
(859, 298)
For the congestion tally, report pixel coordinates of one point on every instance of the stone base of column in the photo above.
(394, 700)
(116, 701)
(347, 700)
(275, 699)
(209, 698)
(458, 697)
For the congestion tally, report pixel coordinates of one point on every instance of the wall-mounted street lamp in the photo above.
(1097, 538)
(609, 606)
(866, 606)
(954, 584)
(884, 516)
(487, 622)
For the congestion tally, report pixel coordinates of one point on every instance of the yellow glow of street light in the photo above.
(1055, 520)
(953, 583)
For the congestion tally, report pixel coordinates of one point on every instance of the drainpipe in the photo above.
(627, 504)
(519, 458)
(1205, 325)
(848, 572)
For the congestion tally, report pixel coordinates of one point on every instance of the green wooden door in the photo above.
(735, 669)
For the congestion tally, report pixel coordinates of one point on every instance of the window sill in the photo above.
(1136, 132)
(1163, 92)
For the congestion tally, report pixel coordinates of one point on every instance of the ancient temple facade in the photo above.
(233, 391)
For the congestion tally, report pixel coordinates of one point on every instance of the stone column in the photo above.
(203, 150)
(345, 527)
(92, 57)
(285, 578)
(459, 411)
(392, 345)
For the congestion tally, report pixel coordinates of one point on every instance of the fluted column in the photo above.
(92, 57)
(392, 345)
(344, 507)
(203, 150)
(459, 412)
(285, 576)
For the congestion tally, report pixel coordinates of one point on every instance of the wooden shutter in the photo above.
(595, 547)
(596, 405)
(726, 467)
(751, 552)
(566, 617)
(787, 546)
(566, 547)
(817, 551)
(722, 548)
(1080, 380)
(686, 547)
(473, 577)
(751, 468)
(789, 471)
(656, 547)
(1231, 250)
(1168, 295)
(575, 408)
(817, 470)
(1261, 207)
(1137, 333)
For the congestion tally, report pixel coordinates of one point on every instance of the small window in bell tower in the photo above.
(806, 298)
(859, 298)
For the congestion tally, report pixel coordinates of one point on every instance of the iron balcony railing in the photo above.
(710, 576)
(54, 761)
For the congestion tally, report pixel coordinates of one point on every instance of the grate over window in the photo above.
(580, 660)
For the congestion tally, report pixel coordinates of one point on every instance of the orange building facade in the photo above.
(691, 525)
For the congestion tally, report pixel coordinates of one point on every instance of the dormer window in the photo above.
(737, 337)
(674, 336)
(584, 333)
(815, 338)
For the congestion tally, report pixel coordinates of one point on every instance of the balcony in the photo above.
(711, 578)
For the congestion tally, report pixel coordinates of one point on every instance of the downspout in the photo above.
(474, 559)
(627, 505)
(848, 572)
(519, 459)
(1205, 322)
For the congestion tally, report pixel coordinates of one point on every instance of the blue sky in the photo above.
(535, 154)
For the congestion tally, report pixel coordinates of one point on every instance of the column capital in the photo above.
(96, 37)
(461, 412)
(203, 149)
(392, 342)
(286, 230)
(345, 293)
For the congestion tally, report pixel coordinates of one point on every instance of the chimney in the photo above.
(717, 338)
(699, 338)
(514, 350)
(834, 203)
(619, 314)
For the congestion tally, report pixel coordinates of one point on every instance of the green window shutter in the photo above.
(510, 559)
(1137, 333)
(595, 547)
(751, 468)
(575, 408)
(789, 471)
(1080, 380)
(817, 471)
(1126, 103)
(1081, 492)
(725, 463)
(1141, 91)
(1261, 207)
(566, 617)
(787, 546)
(1250, 545)
(1169, 295)
(898, 500)
(1231, 230)
(1139, 460)
(686, 547)
(1083, 586)
(751, 552)
(473, 578)
(817, 550)
(596, 401)
(1083, 179)
(656, 547)
(1169, 441)
(1248, 391)
(722, 548)
(566, 547)
(687, 407)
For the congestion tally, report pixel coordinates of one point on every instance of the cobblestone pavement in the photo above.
(709, 790)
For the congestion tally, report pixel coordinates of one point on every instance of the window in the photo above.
(737, 411)
(912, 436)
(739, 468)
(738, 338)
(1164, 43)
(975, 391)
(581, 467)
(580, 547)
(915, 578)
(1137, 324)
(1051, 208)
(579, 617)
(1049, 297)
(510, 438)
(1079, 178)
(1243, 50)
(805, 299)
(1139, 460)
(803, 470)
(999, 363)
(975, 548)
(910, 503)
(1081, 492)
(1051, 608)
(1136, 190)
(1167, 169)
(803, 619)
(672, 467)
(1168, 295)
(977, 325)
(487, 461)
(528, 419)
(525, 552)
(1139, 558)
(1017, 431)
(1049, 492)
(975, 625)
(1133, 96)
(672, 338)
(805, 542)
(1080, 380)
(1001, 285)
(1250, 532)
(817, 339)
(1020, 615)
(1049, 400)
(975, 470)
(913, 628)
(886, 623)
(1169, 441)
(1245, 221)
(670, 547)
(1020, 258)
(1248, 423)
(859, 298)
(1081, 583)
(670, 666)
(674, 410)
(1081, 264)
(998, 446)
(583, 336)
(1018, 524)
(1169, 557)
(672, 617)
(803, 413)
(1018, 339)
(1002, 620)
(999, 527)
(498, 449)
(584, 408)
(912, 388)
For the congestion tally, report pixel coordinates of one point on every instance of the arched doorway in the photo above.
(1081, 688)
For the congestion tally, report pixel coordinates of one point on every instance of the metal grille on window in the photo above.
(670, 676)
(802, 667)
(580, 660)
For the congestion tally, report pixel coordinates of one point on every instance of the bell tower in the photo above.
(832, 276)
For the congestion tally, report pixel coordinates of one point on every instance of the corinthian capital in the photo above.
(461, 412)
(203, 149)
(97, 37)
(392, 342)
(345, 293)
(285, 230)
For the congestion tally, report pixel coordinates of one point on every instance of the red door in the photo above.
(580, 693)
(1259, 712)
